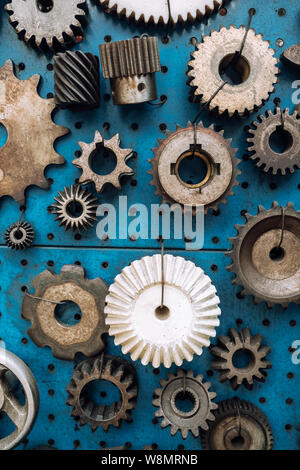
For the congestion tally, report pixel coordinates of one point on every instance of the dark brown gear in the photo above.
(226, 351)
(107, 368)
(266, 255)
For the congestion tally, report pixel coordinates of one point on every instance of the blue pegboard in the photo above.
(63, 248)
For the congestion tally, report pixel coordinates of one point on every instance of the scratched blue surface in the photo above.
(63, 432)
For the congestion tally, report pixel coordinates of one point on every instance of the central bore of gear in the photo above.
(243, 359)
(98, 397)
(18, 234)
(185, 402)
(281, 140)
(193, 169)
(162, 312)
(68, 313)
(234, 69)
(238, 442)
(277, 253)
(102, 161)
(45, 5)
(74, 209)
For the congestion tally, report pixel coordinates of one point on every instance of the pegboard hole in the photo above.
(277, 253)
(102, 161)
(68, 313)
(242, 359)
(234, 69)
(162, 312)
(93, 391)
(45, 6)
(281, 140)
(3, 139)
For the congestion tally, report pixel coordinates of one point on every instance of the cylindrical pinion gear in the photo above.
(19, 236)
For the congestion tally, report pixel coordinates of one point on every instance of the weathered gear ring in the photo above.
(229, 346)
(75, 208)
(40, 308)
(88, 150)
(267, 269)
(184, 385)
(178, 330)
(107, 368)
(214, 151)
(238, 425)
(19, 236)
(23, 416)
(257, 67)
(259, 142)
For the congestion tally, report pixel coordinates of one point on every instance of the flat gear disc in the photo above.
(259, 143)
(107, 368)
(24, 113)
(257, 67)
(216, 153)
(183, 385)
(266, 255)
(238, 425)
(231, 345)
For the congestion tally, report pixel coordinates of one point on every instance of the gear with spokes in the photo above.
(24, 113)
(162, 334)
(107, 368)
(184, 386)
(266, 255)
(287, 126)
(214, 151)
(229, 347)
(19, 236)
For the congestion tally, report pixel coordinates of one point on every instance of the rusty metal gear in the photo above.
(90, 150)
(184, 386)
(24, 113)
(288, 127)
(19, 236)
(75, 208)
(257, 67)
(238, 425)
(266, 255)
(47, 330)
(227, 350)
(217, 155)
(46, 21)
(107, 368)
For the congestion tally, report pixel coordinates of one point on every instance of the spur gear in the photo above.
(228, 349)
(162, 335)
(24, 113)
(107, 368)
(157, 11)
(213, 150)
(266, 255)
(184, 386)
(75, 208)
(238, 425)
(89, 151)
(257, 68)
(46, 21)
(48, 330)
(19, 236)
(288, 128)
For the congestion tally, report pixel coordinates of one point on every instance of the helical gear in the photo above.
(107, 368)
(184, 385)
(19, 236)
(235, 342)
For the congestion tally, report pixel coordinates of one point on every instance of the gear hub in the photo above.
(19, 236)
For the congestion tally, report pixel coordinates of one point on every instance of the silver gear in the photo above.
(19, 236)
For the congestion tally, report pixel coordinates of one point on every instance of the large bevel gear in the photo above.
(89, 150)
(19, 236)
(238, 425)
(257, 67)
(229, 346)
(47, 329)
(46, 21)
(184, 386)
(24, 113)
(75, 208)
(157, 11)
(107, 368)
(162, 335)
(265, 258)
(259, 142)
(216, 153)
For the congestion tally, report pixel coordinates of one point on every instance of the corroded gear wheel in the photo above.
(259, 142)
(46, 21)
(257, 67)
(24, 113)
(157, 11)
(47, 330)
(226, 351)
(217, 155)
(75, 208)
(19, 236)
(238, 425)
(178, 330)
(266, 264)
(89, 150)
(184, 386)
(107, 368)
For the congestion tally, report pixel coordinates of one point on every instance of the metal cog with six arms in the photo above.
(184, 386)
(19, 236)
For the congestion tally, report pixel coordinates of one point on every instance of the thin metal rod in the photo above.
(44, 300)
(282, 227)
(162, 274)
(160, 103)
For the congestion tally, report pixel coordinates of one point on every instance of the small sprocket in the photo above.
(19, 236)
